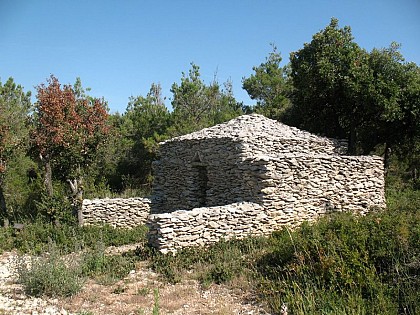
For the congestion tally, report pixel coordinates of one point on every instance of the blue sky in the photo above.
(119, 48)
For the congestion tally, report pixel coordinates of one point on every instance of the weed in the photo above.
(156, 303)
(68, 238)
(219, 263)
(345, 264)
(6, 239)
(106, 269)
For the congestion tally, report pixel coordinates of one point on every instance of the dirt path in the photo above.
(137, 294)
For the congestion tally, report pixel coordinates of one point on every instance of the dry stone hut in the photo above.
(252, 175)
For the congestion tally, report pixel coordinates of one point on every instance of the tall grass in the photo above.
(50, 275)
(366, 265)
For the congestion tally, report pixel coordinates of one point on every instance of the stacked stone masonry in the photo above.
(202, 226)
(273, 174)
(118, 212)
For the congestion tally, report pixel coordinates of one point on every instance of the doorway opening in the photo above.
(201, 180)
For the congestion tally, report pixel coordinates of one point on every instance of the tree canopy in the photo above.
(341, 90)
(146, 121)
(329, 74)
(15, 106)
(269, 86)
(68, 127)
(197, 105)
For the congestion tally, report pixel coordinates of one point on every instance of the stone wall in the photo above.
(178, 184)
(299, 188)
(118, 212)
(170, 232)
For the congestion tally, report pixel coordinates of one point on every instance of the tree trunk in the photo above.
(3, 208)
(77, 195)
(352, 140)
(48, 177)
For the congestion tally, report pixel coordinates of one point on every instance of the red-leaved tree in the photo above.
(69, 127)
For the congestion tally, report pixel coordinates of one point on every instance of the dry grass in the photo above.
(186, 297)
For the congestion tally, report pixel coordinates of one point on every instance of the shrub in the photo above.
(345, 263)
(6, 239)
(56, 208)
(53, 275)
(50, 275)
(218, 263)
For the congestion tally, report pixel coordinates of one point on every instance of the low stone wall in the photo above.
(118, 212)
(172, 231)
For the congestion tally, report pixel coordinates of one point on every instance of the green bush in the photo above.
(50, 275)
(345, 263)
(56, 208)
(218, 263)
(6, 239)
(53, 275)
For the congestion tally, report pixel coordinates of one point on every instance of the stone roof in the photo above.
(251, 127)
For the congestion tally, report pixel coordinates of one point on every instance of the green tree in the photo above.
(372, 99)
(103, 173)
(197, 105)
(392, 102)
(269, 86)
(144, 124)
(328, 74)
(15, 105)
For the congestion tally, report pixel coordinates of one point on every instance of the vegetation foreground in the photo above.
(343, 264)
